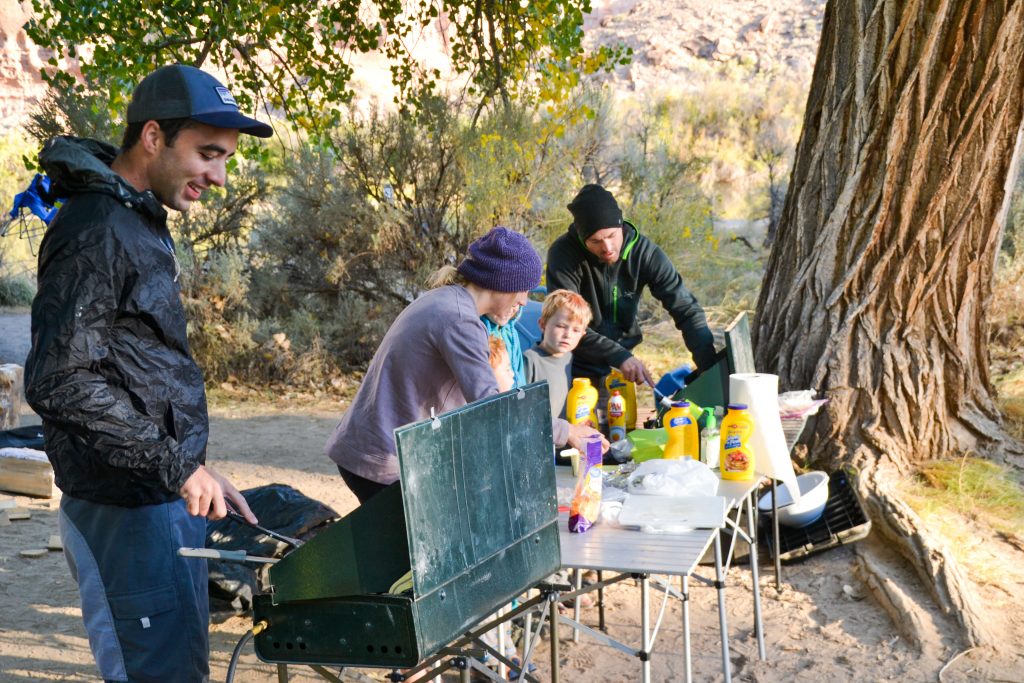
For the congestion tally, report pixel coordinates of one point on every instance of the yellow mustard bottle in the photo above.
(737, 458)
(581, 403)
(683, 439)
(615, 381)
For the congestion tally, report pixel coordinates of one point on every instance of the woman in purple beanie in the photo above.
(433, 356)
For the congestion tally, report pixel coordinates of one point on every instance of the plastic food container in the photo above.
(807, 510)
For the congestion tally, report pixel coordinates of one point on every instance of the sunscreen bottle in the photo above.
(616, 417)
(737, 458)
(682, 432)
(615, 381)
(709, 439)
(581, 403)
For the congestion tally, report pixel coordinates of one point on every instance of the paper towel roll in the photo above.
(771, 456)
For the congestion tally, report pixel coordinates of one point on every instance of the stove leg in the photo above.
(553, 627)
(282, 673)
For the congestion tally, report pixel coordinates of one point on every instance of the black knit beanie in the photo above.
(503, 261)
(593, 209)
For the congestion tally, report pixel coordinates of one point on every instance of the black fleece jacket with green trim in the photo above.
(613, 291)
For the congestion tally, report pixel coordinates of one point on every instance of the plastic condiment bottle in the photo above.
(581, 403)
(737, 459)
(709, 438)
(682, 432)
(616, 381)
(616, 417)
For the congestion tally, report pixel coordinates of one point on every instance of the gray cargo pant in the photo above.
(145, 608)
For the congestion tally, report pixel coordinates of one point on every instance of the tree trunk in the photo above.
(876, 287)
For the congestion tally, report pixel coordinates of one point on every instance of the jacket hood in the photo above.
(630, 234)
(77, 165)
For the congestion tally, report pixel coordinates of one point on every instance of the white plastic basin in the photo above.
(807, 510)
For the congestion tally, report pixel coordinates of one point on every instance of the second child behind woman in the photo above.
(501, 363)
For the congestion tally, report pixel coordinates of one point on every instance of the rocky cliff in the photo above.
(20, 62)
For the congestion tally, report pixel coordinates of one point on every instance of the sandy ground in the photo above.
(821, 626)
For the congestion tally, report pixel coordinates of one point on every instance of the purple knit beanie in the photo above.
(503, 261)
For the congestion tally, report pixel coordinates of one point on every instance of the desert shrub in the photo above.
(70, 111)
(1006, 312)
(321, 258)
(519, 172)
(358, 226)
(16, 290)
(1013, 236)
(227, 340)
(219, 327)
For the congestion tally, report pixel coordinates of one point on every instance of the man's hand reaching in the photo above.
(633, 369)
(205, 493)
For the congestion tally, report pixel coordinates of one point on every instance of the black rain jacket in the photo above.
(110, 373)
(613, 291)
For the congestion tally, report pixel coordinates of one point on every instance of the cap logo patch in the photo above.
(225, 96)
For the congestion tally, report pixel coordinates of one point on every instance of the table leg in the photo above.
(645, 625)
(756, 579)
(577, 585)
(600, 603)
(775, 538)
(720, 587)
(686, 629)
(553, 618)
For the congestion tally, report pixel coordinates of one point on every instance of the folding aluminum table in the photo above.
(636, 554)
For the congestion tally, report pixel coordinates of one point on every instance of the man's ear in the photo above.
(152, 137)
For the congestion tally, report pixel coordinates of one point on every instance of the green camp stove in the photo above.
(474, 517)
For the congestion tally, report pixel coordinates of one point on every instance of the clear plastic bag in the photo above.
(621, 451)
(682, 477)
(799, 404)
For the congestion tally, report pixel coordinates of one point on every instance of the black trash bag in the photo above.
(278, 507)
(23, 437)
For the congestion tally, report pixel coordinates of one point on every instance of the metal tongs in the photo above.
(225, 555)
(240, 555)
(235, 516)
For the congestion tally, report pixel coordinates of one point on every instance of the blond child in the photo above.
(563, 322)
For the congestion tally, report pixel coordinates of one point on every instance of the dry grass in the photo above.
(969, 502)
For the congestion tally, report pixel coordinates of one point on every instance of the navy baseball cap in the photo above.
(178, 91)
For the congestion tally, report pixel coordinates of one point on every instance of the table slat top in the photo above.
(616, 549)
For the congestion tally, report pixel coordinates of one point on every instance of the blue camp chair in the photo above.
(527, 325)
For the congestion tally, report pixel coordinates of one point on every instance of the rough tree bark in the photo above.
(877, 284)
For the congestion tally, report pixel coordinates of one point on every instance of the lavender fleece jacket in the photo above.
(433, 356)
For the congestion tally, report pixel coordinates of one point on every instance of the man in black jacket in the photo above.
(110, 373)
(608, 262)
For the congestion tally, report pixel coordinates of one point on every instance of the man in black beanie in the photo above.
(607, 261)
